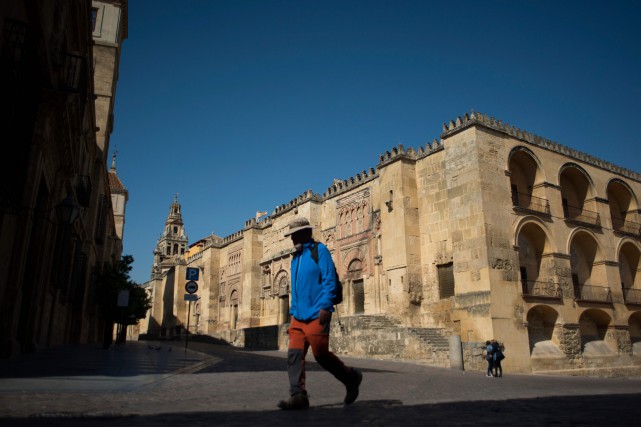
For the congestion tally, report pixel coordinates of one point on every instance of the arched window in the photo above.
(623, 208)
(525, 182)
(577, 196)
(589, 277)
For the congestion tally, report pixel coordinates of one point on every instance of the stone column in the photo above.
(620, 336)
(569, 338)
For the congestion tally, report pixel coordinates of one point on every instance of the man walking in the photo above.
(313, 288)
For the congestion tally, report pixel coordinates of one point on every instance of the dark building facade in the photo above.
(56, 219)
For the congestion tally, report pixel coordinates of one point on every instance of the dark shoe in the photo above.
(352, 389)
(295, 401)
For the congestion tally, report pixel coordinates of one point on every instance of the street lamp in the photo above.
(67, 211)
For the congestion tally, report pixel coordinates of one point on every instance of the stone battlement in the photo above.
(232, 238)
(399, 153)
(261, 223)
(340, 186)
(474, 119)
(306, 196)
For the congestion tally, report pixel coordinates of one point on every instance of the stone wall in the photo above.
(383, 337)
(262, 337)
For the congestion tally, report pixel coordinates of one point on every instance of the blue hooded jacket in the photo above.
(313, 284)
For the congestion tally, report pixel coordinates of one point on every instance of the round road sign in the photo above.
(191, 286)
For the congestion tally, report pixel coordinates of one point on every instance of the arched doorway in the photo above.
(233, 312)
(355, 276)
(593, 325)
(540, 326)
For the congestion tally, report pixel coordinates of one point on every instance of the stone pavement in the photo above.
(147, 384)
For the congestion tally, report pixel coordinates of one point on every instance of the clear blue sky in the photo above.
(240, 106)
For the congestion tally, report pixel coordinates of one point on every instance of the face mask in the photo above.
(298, 247)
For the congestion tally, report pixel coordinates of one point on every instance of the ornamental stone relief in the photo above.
(329, 238)
(355, 258)
(353, 213)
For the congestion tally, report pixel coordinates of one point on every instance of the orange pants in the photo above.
(303, 335)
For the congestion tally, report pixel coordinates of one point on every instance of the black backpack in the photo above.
(339, 285)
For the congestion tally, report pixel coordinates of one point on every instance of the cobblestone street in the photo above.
(145, 384)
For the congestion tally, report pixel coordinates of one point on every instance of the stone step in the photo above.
(432, 336)
(378, 321)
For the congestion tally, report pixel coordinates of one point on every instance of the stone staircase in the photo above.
(384, 337)
(432, 336)
(378, 321)
(436, 343)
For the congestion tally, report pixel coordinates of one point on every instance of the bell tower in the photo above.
(173, 241)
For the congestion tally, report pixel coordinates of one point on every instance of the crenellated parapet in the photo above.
(397, 153)
(303, 198)
(261, 223)
(429, 148)
(341, 186)
(475, 119)
(232, 238)
(400, 153)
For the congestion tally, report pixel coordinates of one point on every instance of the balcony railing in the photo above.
(593, 293)
(533, 288)
(530, 203)
(632, 296)
(572, 213)
(626, 227)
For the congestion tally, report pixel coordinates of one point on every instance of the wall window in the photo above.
(446, 280)
(94, 18)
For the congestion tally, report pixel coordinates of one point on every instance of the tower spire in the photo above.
(113, 161)
(172, 244)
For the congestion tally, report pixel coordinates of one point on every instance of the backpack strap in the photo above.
(314, 252)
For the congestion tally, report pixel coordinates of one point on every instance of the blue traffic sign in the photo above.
(191, 287)
(192, 273)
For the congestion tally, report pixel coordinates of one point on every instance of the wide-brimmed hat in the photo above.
(297, 225)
